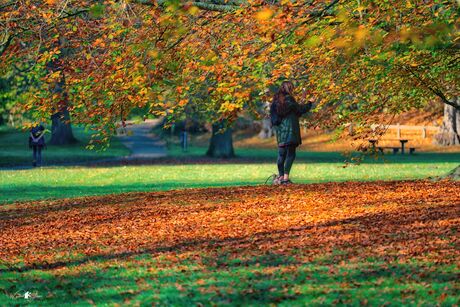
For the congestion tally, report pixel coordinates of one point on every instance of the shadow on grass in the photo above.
(310, 283)
(270, 156)
(262, 156)
(260, 280)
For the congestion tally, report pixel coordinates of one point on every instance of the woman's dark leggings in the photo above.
(286, 156)
(37, 155)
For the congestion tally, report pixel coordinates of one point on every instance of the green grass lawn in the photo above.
(263, 280)
(251, 168)
(15, 149)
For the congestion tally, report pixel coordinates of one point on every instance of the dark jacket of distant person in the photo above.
(37, 137)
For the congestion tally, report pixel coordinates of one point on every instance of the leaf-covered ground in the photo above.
(351, 243)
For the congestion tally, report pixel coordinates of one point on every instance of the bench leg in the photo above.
(411, 150)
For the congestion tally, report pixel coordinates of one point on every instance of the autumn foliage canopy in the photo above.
(219, 59)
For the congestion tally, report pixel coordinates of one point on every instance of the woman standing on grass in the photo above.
(284, 114)
(37, 143)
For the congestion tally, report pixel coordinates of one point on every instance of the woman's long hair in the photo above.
(285, 89)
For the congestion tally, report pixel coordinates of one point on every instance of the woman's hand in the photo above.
(304, 94)
(312, 99)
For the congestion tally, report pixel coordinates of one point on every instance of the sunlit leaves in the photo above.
(264, 14)
(176, 58)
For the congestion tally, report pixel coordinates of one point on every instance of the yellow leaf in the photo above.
(193, 10)
(361, 33)
(264, 14)
(153, 53)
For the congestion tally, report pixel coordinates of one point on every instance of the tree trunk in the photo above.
(267, 130)
(454, 174)
(449, 134)
(11, 120)
(2, 121)
(221, 145)
(61, 130)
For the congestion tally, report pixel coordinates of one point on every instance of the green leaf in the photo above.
(96, 10)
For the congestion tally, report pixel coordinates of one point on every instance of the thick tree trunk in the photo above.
(61, 130)
(449, 134)
(454, 174)
(221, 145)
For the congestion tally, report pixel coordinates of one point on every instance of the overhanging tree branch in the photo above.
(8, 4)
(5, 45)
(312, 16)
(214, 5)
(432, 89)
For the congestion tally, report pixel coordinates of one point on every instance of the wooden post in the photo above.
(398, 135)
(173, 126)
(184, 140)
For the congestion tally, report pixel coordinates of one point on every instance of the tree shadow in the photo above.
(262, 279)
(255, 157)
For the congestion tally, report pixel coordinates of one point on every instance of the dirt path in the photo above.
(142, 143)
(138, 138)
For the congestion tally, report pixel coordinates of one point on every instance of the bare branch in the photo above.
(213, 5)
(432, 89)
(6, 44)
(8, 4)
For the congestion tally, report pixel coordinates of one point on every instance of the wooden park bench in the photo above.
(395, 149)
(382, 148)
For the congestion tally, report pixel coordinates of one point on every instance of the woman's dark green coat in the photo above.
(288, 132)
